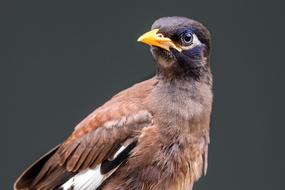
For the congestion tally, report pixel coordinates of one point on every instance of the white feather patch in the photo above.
(90, 178)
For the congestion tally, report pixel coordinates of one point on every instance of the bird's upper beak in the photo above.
(153, 38)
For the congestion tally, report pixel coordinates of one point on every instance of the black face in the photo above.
(194, 40)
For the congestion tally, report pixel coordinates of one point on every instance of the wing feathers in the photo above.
(28, 176)
(93, 178)
(109, 165)
(102, 140)
(83, 158)
(94, 139)
(91, 150)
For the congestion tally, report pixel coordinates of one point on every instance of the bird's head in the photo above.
(180, 47)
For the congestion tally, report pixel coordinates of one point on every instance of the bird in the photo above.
(152, 136)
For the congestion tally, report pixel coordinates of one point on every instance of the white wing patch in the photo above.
(90, 178)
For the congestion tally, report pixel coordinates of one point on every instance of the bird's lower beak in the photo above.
(153, 38)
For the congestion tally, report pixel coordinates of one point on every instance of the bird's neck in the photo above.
(182, 99)
(178, 74)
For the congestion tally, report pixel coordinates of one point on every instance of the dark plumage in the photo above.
(153, 135)
(190, 62)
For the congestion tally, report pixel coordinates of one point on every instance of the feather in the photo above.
(93, 178)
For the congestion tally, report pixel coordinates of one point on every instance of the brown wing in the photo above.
(97, 137)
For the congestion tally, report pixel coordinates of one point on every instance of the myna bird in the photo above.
(151, 136)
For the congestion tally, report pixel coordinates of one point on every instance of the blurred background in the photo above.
(59, 61)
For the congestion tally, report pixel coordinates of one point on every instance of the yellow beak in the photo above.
(153, 38)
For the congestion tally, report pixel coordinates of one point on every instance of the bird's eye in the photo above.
(187, 38)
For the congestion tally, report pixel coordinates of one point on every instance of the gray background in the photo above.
(60, 61)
